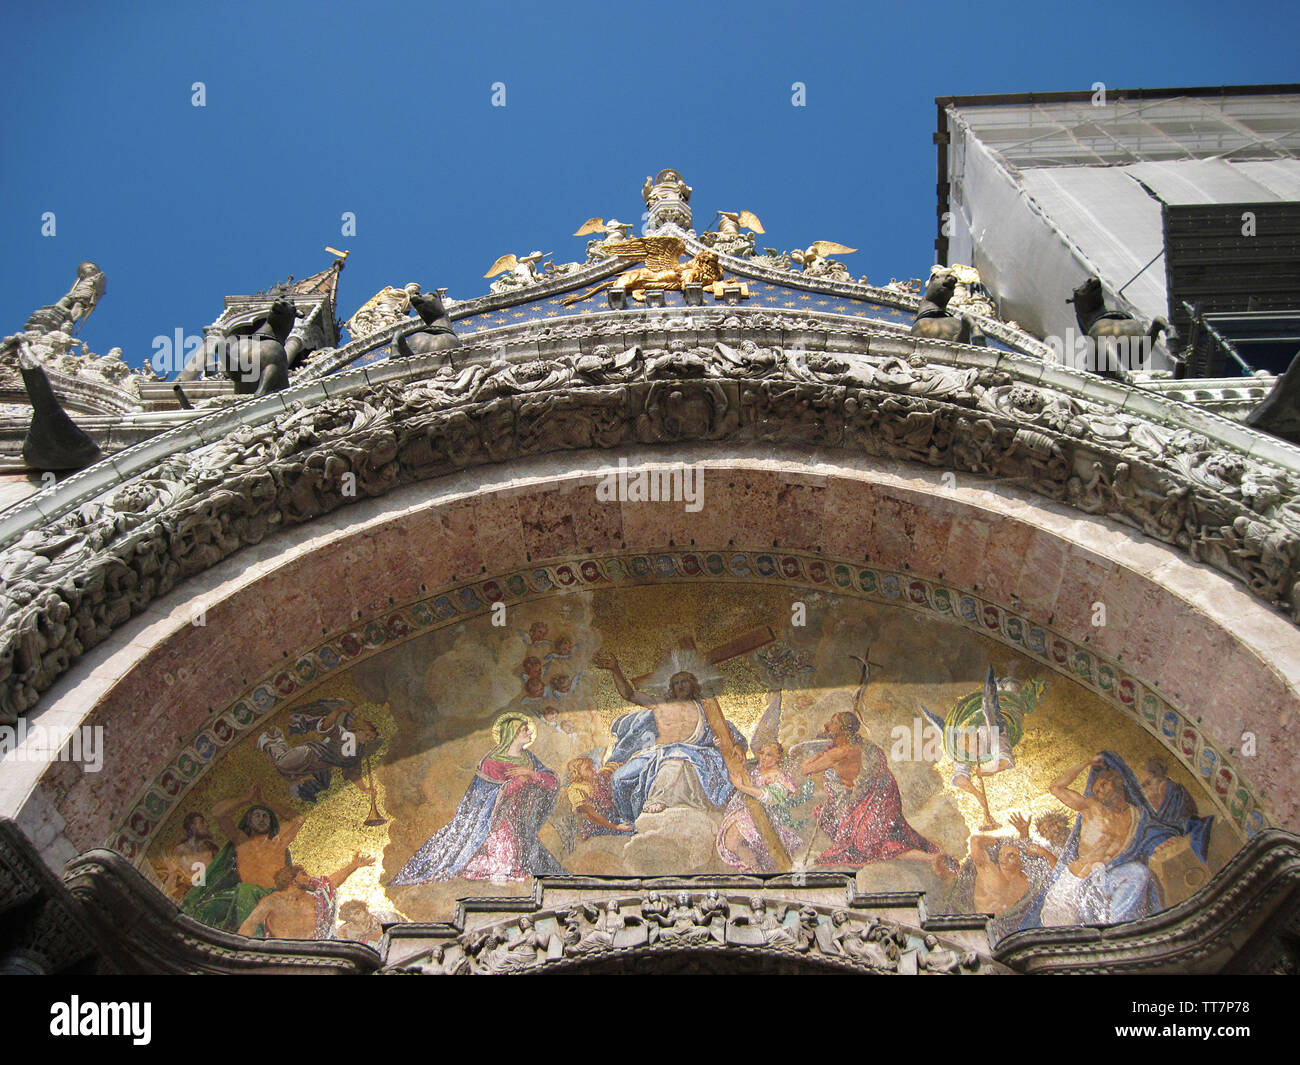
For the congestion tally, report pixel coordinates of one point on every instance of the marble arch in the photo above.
(824, 448)
(1013, 567)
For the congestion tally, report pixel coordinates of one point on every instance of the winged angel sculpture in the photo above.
(662, 270)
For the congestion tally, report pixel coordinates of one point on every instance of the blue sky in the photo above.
(385, 110)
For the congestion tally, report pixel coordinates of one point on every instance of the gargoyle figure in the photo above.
(258, 364)
(1100, 324)
(933, 319)
(437, 334)
(662, 269)
(53, 441)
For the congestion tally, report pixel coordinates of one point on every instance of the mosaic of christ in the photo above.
(656, 729)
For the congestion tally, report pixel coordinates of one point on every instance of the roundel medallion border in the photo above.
(462, 601)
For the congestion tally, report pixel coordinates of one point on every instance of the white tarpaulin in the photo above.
(1045, 194)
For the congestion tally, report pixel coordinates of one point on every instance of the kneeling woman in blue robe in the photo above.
(493, 835)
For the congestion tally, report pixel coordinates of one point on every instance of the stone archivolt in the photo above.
(68, 583)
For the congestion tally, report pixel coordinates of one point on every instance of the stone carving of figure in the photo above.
(519, 271)
(604, 924)
(816, 262)
(728, 239)
(385, 309)
(439, 963)
(613, 230)
(938, 959)
(667, 198)
(872, 943)
(713, 907)
(761, 927)
(683, 923)
(495, 952)
(76, 306)
(809, 919)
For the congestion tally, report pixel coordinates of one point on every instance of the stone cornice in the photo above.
(330, 362)
(80, 394)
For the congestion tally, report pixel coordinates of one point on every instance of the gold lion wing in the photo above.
(591, 225)
(658, 253)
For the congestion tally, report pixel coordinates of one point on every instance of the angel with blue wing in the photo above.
(981, 731)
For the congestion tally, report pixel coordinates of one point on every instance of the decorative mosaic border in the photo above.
(1104, 678)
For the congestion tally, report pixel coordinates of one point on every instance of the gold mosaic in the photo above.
(689, 729)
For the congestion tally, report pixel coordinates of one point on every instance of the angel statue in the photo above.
(982, 729)
(610, 231)
(733, 222)
(662, 269)
(729, 239)
(815, 263)
(519, 271)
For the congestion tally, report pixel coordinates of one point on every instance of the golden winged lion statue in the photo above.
(662, 269)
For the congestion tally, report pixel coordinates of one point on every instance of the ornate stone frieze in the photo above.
(573, 925)
(73, 573)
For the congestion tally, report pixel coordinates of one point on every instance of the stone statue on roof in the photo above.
(729, 240)
(519, 271)
(68, 313)
(667, 198)
(612, 230)
(385, 309)
(816, 262)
